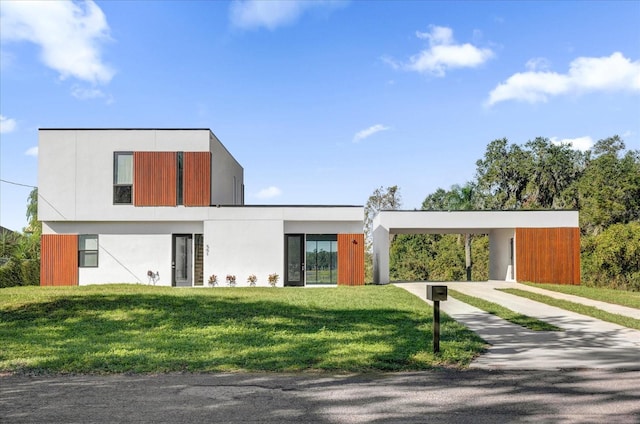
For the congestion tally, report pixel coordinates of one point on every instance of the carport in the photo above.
(536, 246)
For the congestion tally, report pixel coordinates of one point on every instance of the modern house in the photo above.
(166, 206)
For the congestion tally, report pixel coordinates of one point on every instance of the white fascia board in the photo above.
(288, 213)
(473, 221)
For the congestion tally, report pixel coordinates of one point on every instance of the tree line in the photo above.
(602, 183)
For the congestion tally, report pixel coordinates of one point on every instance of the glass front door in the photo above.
(182, 260)
(294, 257)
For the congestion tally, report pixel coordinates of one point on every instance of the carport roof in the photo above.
(399, 222)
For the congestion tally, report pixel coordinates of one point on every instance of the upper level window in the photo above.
(179, 178)
(122, 178)
(88, 250)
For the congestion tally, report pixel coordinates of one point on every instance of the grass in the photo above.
(504, 313)
(578, 308)
(618, 297)
(145, 329)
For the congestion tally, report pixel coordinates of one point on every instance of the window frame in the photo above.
(82, 252)
(117, 186)
(313, 272)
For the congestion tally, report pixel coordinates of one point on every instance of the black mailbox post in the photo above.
(436, 294)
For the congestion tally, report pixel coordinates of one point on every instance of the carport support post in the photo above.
(436, 326)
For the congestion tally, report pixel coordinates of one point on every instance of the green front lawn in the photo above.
(578, 308)
(618, 297)
(131, 328)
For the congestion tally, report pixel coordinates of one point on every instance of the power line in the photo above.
(18, 184)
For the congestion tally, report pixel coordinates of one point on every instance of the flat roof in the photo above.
(288, 206)
(124, 129)
(417, 222)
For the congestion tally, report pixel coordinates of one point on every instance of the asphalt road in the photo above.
(439, 396)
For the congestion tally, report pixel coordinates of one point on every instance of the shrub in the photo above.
(31, 272)
(612, 258)
(11, 273)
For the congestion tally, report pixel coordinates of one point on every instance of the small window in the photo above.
(179, 179)
(122, 178)
(88, 250)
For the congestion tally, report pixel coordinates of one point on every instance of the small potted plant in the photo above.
(231, 280)
(273, 279)
(213, 280)
(252, 280)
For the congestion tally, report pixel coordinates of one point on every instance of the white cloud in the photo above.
(368, 132)
(443, 54)
(269, 192)
(32, 151)
(7, 125)
(252, 14)
(612, 73)
(580, 143)
(69, 33)
(538, 64)
(83, 93)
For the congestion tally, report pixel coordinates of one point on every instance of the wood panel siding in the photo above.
(154, 178)
(59, 260)
(548, 255)
(351, 259)
(197, 179)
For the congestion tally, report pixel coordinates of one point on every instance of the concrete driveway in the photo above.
(585, 342)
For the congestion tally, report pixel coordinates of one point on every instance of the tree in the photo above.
(22, 250)
(436, 201)
(609, 188)
(456, 198)
(502, 175)
(612, 257)
(35, 226)
(463, 198)
(381, 199)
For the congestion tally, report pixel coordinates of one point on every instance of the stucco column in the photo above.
(500, 259)
(381, 255)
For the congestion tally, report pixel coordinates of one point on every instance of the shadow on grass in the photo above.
(227, 329)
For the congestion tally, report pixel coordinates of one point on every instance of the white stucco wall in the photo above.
(242, 248)
(472, 221)
(500, 254)
(227, 176)
(75, 176)
(381, 245)
(127, 251)
(250, 240)
(126, 258)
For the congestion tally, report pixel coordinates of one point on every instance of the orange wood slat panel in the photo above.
(548, 255)
(351, 259)
(59, 260)
(154, 178)
(197, 178)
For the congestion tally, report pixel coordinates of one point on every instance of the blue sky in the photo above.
(320, 101)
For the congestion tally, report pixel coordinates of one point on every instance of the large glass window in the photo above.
(322, 259)
(88, 250)
(122, 177)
